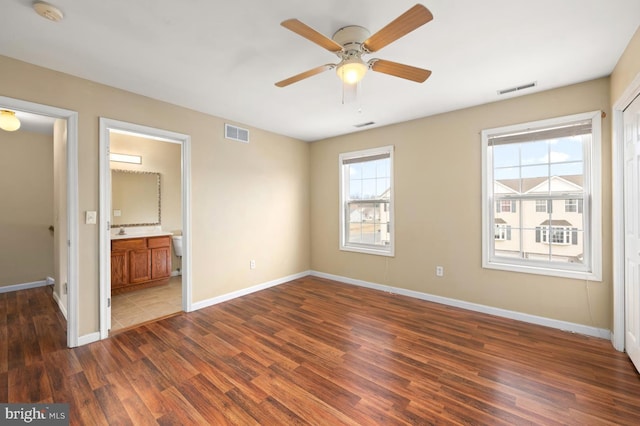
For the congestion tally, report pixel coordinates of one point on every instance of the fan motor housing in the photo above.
(351, 37)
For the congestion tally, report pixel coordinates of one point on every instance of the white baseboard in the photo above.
(533, 319)
(88, 338)
(219, 299)
(60, 304)
(24, 286)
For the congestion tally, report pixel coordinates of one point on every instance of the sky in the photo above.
(555, 157)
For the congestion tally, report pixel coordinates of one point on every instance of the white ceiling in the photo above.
(223, 57)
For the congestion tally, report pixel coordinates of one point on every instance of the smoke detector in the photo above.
(48, 11)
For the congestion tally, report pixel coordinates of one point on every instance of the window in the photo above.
(366, 194)
(534, 170)
(557, 235)
(505, 206)
(503, 232)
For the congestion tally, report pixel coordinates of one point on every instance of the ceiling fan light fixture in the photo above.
(9, 121)
(351, 71)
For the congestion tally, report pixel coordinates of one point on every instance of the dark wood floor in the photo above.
(316, 352)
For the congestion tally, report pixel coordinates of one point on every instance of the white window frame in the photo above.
(566, 235)
(591, 268)
(542, 206)
(386, 250)
(571, 206)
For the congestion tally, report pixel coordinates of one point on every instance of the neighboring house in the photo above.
(551, 229)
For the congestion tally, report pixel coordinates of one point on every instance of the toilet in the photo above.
(177, 245)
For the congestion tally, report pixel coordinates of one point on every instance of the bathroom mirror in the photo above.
(135, 198)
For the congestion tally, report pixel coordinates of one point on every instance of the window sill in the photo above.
(368, 250)
(543, 270)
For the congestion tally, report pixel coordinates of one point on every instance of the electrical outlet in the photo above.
(252, 264)
(439, 271)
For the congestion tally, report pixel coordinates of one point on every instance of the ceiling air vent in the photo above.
(517, 88)
(368, 123)
(236, 133)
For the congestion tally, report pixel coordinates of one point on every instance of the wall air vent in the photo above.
(368, 123)
(517, 88)
(236, 133)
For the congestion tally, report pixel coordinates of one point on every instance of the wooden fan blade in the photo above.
(312, 35)
(304, 75)
(413, 18)
(395, 69)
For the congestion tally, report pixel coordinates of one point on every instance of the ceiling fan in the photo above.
(352, 42)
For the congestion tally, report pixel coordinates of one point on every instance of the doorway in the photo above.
(625, 176)
(167, 163)
(631, 120)
(66, 263)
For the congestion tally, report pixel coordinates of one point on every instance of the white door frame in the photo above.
(72, 203)
(617, 171)
(106, 125)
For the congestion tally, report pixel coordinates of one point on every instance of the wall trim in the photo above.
(233, 295)
(60, 304)
(505, 313)
(88, 338)
(23, 286)
(106, 125)
(617, 185)
(73, 268)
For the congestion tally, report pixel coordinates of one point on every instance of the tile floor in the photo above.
(136, 307)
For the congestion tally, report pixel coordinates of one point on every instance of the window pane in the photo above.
(506, 155)
(535, 171)
(369, 169)
(572, 172)
(368, 189)
(383, 167)
(382, 187)
(368, 223)
(568, 149)
(506, 173)
(534, 152)
(355, 170)
(355, 189)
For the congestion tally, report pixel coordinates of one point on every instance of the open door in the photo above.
(632, 230)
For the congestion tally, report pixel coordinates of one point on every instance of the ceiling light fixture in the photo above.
(48, 11)
(9, 121)
(352, 70)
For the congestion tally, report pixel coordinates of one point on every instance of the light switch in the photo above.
(117, 213)
(90, 217)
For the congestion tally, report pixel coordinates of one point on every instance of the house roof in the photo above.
(529, 184)
(559, 222)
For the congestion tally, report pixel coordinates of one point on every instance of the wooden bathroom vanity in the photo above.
(140, 262)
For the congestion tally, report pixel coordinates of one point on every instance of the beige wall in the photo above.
(249, 201)
(26, 212)
(438, 210)
(627, 68)
(159, 157)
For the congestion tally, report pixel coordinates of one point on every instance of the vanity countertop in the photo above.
(141, 235)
